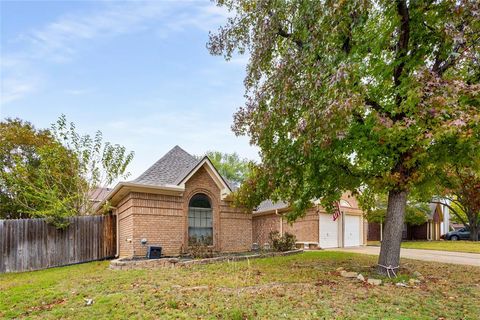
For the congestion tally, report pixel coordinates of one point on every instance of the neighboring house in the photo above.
(97, 195)
(432, 229)
(182, 199)
(317, 228)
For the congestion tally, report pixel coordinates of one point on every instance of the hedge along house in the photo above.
(317, 228)
(179, 199)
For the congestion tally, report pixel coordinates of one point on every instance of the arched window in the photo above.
(200, 228)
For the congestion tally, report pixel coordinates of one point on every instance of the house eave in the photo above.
(123, 188)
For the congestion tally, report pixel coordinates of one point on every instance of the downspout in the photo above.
(117, 250)
(318, 228)
(281, 222)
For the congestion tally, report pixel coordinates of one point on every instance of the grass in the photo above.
(442, 245)
(303, 286)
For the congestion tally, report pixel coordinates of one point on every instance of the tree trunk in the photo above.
(392, 233)
(474, 229)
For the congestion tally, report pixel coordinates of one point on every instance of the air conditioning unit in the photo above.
(154, 252)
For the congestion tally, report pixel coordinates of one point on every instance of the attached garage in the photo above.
(328, 231)
(316, 229)
(352, 234)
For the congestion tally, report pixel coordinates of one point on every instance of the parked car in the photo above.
(460, 234)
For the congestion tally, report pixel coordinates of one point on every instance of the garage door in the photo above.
(328, 231)
(352, 231)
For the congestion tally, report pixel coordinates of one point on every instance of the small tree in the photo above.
(461, 186)
(230, 165)
(98, 163)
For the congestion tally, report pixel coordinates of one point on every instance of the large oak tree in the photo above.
(342, 95)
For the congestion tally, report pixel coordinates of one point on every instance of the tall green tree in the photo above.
(230, 165)
(31, 160)
(52, 173)
(461, 186)
(342, 95)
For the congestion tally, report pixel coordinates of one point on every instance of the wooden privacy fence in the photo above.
(33, 244)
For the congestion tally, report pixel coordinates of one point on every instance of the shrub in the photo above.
(199, 249)
(283, 242)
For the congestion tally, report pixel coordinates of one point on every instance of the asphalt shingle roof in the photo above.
(98, 194)
(268, 205)
(170, 169)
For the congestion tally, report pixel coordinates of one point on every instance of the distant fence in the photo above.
(33, 244)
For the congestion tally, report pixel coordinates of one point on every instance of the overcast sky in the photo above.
(137, 71)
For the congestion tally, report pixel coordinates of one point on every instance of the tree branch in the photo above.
(374, 105)
(465, 223)
(402, 43)
(281, 32)
(440, 66)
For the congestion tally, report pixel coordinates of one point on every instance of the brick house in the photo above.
(181, 199)
(178, 199)
(316, 228)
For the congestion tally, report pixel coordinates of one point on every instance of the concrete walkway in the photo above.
(469, 259)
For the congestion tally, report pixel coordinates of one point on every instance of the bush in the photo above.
(199, 249)
(283, 242)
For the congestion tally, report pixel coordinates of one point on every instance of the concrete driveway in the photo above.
(469, 259)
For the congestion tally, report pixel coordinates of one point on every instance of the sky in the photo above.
(138, 71)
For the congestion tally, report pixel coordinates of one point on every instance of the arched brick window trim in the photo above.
(200, 219)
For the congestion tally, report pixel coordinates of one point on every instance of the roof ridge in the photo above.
(166, 169)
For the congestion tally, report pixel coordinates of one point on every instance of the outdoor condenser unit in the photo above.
(154, 252)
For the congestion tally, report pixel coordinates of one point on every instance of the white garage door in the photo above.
(352, 231)
(328, 231)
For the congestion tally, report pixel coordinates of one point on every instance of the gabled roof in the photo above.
(98, 194)
(433, 208)
(168, 176)
(217, 177)
(170, 169)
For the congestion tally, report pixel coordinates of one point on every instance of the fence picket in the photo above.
(32, 244)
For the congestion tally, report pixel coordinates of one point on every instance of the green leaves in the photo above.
(375, 208)
(98, 163)
(230, 165)
(353, 94)
(51, 174)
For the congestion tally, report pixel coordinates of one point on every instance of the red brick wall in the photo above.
(157, 218)
(306, 228)
(262, 225)
(235, 228)
(125, 226)
(163, 220)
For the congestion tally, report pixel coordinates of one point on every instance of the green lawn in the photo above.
(459, 246)
(304, 286)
